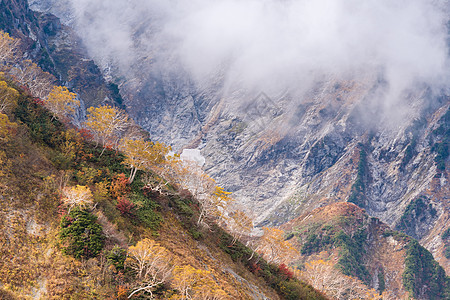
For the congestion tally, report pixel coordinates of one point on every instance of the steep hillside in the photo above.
(52, 250)
(344, 236)
(284, 153)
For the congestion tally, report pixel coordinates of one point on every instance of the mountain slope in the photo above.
(286, 153)
(40, 159)
(363, 247)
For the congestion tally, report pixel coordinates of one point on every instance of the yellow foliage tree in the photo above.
(239, 224)
(142, 155)
(6, 133)
(193, 283)
(107, 124)
(214, 201)
(61, 102)
(6, 128)
(151, 264)
(8, 48)
(8, 97)
(274, 247)
(215, 205)
(77, 196)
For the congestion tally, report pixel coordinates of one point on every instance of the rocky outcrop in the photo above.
(57, 49)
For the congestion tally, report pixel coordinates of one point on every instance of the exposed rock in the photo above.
(57, 49)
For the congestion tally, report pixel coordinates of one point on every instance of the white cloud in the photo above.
(273, 44)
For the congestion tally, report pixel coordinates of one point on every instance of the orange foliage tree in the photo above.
(119, 186)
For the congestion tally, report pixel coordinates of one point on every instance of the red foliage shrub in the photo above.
(284, 270)
(125, 206)
(86, 134)
(254, 268)
(38, 101)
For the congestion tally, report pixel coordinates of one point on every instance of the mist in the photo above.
(272, 45)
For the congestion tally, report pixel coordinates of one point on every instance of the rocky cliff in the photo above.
(57, 49)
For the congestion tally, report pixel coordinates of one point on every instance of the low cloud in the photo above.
(272, 45)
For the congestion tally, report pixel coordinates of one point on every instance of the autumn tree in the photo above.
(61, 102)
(239, 224)
(39, 83)
(8, 98)
(156, 183)
(214, 206)
(6, 128)
(119, 186)
(214, 200)
(193, 283)
(107, 124)
(142, 155)
(77, 196)
(8, 48)
(274, 247)
(151, 264)
(163, 174)
(322, 275)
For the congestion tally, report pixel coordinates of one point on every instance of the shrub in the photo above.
(146, 210)
(446, 234)
(5, 295)
(80, 235)
(446, 240)
(284, 270)
(352, 249)
(381, 282)
(416, 212)
(197, 235)
(125, 206)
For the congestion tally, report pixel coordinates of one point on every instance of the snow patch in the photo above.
(193, 155)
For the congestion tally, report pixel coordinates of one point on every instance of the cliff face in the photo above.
(284, 155)
(57, 49)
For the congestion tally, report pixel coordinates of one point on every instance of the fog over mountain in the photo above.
(272, 45)
(331, 70)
